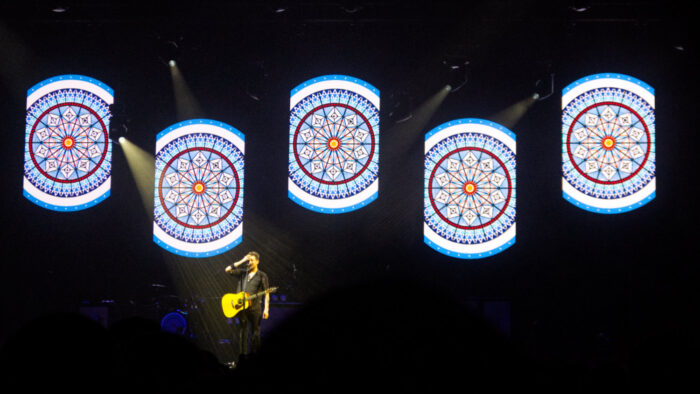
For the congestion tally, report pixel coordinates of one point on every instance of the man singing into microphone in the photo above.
(252, 281)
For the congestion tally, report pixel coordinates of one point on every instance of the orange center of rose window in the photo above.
(198, 187)
(334, 143)
(608, 143)
(470, 188)
(68, 142)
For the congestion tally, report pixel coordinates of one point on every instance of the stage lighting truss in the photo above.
(199, 188)
(333, 144)
(608, 143)
(469, 183)
(68, 152)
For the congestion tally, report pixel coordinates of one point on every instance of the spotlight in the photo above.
(350, 7)
(580, 6)
(401, 107)
(544, 87)
(119, 125)
(168, 50)
(121, 140)
(59, 9)
(458, 71)
(256, 80)
(455, 62)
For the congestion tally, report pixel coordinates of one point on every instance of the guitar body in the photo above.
(232, 303)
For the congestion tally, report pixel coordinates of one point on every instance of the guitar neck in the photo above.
(256, 295)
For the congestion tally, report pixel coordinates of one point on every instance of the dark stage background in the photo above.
(574, 286)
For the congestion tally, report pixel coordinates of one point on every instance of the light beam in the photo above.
(186, 104)
(142, 165)
(510, 116)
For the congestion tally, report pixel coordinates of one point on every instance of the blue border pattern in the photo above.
(70, 77)
(318, 209)
(59, 208)
(185, 253)
(593, 77)
(469, 256)
(223, 125)
(627, 208)
(470, 121)
(334, 77)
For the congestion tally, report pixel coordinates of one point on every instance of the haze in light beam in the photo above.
(510, 116)
(142, 165)
(186, 104)
(410, 132)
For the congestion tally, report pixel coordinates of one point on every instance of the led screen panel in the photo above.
(608, 143)
(333, 144)
(198, 194)
(68, 153)
(469, 183)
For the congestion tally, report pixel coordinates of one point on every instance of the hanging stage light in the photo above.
(544, 87)
(457, 68)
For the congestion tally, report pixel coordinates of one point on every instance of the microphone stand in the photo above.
(242, 283)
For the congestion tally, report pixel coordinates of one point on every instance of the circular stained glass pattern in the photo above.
(199, 188)
(608, 142)
(68, 150)
(68, 143)
(470, 188)
(334, 144)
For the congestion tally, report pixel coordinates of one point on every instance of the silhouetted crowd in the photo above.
(385, 335)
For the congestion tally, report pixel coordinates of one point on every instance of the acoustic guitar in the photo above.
(232, 303)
